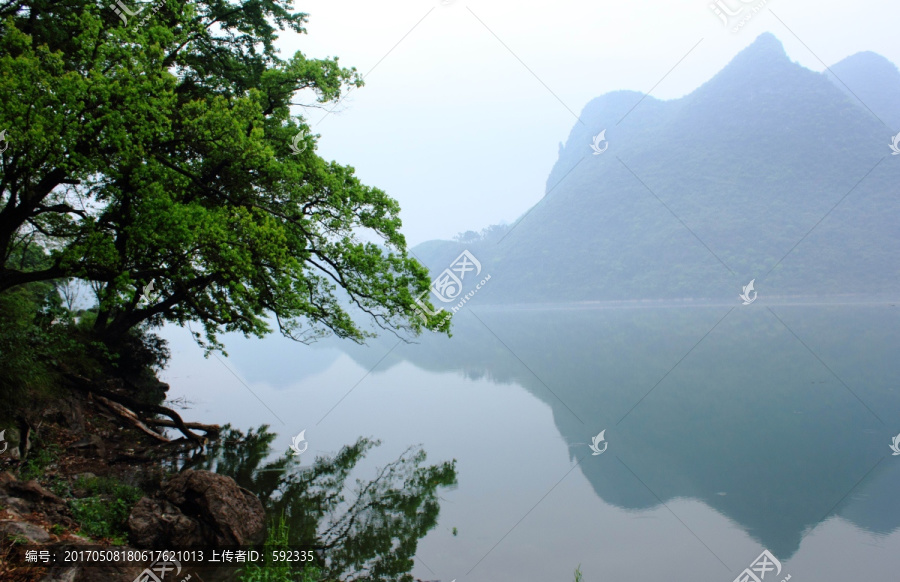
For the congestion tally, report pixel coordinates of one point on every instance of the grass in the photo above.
(104, 512)
(278, 538)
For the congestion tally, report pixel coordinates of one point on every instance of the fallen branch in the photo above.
(130, 417)
(88, 385)
(211, 430)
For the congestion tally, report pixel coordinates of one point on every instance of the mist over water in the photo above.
(726, 434)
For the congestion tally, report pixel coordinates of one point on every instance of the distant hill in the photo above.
(872, 80)
(696, 196)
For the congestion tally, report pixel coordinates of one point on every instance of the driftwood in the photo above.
(130, 417)
(131, 405)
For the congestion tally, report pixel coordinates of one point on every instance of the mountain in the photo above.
(873, 81)
(768, 172)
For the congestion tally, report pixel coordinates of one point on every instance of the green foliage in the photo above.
(158, 151)
(104, 512)
(32, 337)
(278, 538)
(108, 486)
(17, 539)
(38, 335)
(60, 488)
(57, 529)
(369, 531)
(578, 573)
(20, 338)
(38, 460)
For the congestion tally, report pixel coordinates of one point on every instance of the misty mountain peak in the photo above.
(766, 44)
(761, 57)
(868, 62)
(762, 70)
(872, 81)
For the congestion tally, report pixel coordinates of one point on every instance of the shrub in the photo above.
(104, 513)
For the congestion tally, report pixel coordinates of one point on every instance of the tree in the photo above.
(159, 150)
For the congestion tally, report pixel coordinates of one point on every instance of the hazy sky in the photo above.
(452, 124)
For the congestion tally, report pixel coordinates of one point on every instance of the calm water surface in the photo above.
(731, 430)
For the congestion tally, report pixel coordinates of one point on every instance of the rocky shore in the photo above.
(77, 476)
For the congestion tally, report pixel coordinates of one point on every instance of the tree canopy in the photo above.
(153, 153)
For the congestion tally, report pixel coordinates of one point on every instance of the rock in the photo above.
(235, 513)
(15, 505)
(93, 573)
(62, 574)
(32, 491)
(198, 508)
(5, 478)
(110, 573)
(74, 415)
(10, 443)
(29, 497)
(12, 504)
(91, 444)
(157, 524)
(34, 534)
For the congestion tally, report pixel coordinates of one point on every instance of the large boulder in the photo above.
(197, 508)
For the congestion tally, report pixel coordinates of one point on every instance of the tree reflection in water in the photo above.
(369, 531)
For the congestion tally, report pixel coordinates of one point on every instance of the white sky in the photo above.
(457, 130)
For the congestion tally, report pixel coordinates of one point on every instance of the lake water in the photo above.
(729, 429)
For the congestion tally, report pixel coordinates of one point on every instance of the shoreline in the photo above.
(848, 299)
